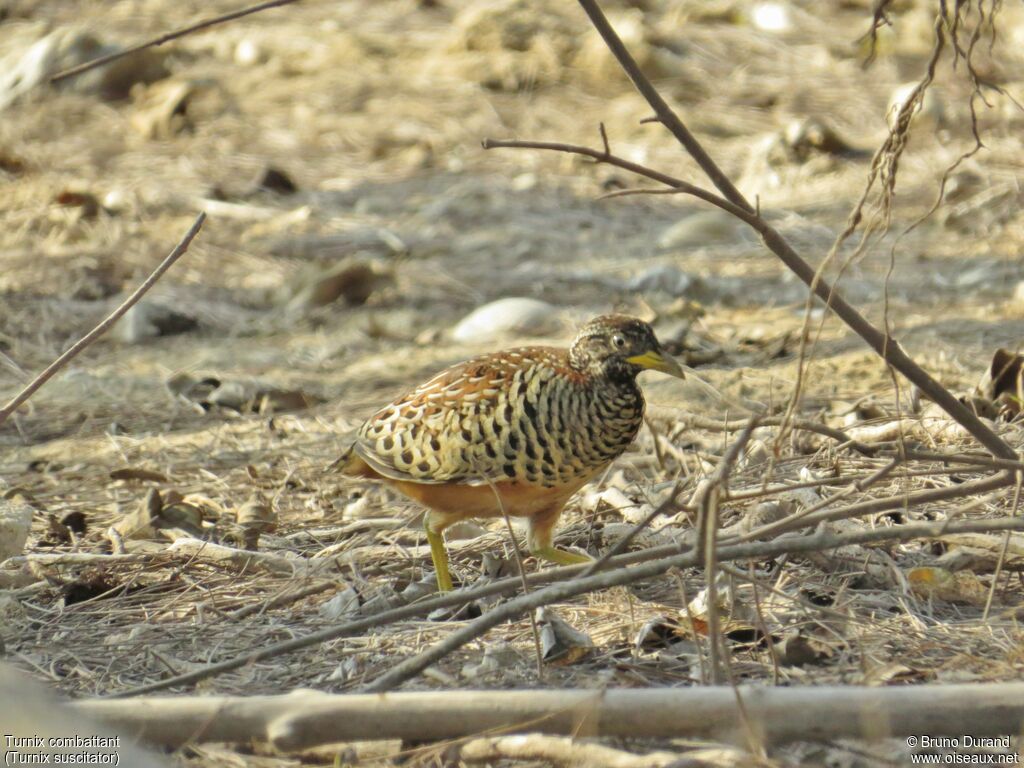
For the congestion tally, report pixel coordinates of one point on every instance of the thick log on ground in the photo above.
(305, 719)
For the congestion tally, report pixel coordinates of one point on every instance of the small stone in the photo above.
(524, 181)
(771, 17)
(505, 318)
(701, 229)
(666, 279)
(345, 603)
(150, 319)
(15, 522)
(248, 53)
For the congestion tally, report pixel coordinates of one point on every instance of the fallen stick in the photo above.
(524, 604)
(75, 558)
(670, 558)
(185, 548)
(305, 719)
(244, 559)
(564, 750)
(876, 506)
(804, 425)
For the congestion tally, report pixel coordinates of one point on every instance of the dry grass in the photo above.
(377, 113)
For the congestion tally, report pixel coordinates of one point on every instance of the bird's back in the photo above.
(523, 415)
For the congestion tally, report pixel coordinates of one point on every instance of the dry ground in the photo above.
(377, 111)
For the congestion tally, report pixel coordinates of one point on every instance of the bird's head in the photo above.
(619, 347)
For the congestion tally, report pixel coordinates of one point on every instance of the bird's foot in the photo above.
(560, 556)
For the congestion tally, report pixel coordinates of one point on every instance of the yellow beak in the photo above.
(655, 361)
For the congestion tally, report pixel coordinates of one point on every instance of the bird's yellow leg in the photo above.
(560, 556)
(439, 555)
(540, 536)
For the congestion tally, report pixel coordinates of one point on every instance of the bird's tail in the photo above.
(350, 463)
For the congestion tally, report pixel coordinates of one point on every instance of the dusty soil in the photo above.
(376, 112)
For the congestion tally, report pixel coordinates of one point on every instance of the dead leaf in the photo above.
(152, 319)
(90, 586)
(153, 515)
(138, 473)
(561, 644)
(169, 107)
(243, 396)
(737, 620)
(897, 674)
(282, 400)
(56, 532)
(254, 518)
(87, 203)
(277, 181)
(353, 280)
(660, 632)
(1000, 393)
(15, 522)
(805, 136)
(75, 522)
(344, 604)
(12, 164)
(798, 650)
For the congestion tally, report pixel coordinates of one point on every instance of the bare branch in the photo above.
(708, 494)
(886, 347)
(804, 425)
(876, 506)
(662, 110)
(167, 37)
(107, 322)
(520, 606)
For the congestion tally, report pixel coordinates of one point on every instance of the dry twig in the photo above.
(105, 324)
(167, 37)
(518, 607)
(733, 202)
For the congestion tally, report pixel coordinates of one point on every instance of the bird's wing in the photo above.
(462, 426)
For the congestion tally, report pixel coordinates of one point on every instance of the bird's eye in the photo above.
(619, 341)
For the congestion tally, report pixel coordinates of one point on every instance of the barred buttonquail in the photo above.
(529, 426)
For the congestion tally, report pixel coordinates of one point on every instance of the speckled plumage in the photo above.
(522, 415)
(529, 426)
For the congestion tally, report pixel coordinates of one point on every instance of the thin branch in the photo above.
(105, 325)
(626, 165)
(886, 347)
(167, 37)
(958, 458)
(622, 544)
(876, 506)
(501, 588)
(1004, 550)
(511, 585)
(515, 609)
(662, 110)
(710, 492)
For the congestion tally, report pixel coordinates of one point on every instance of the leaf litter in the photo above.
(414, 229)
